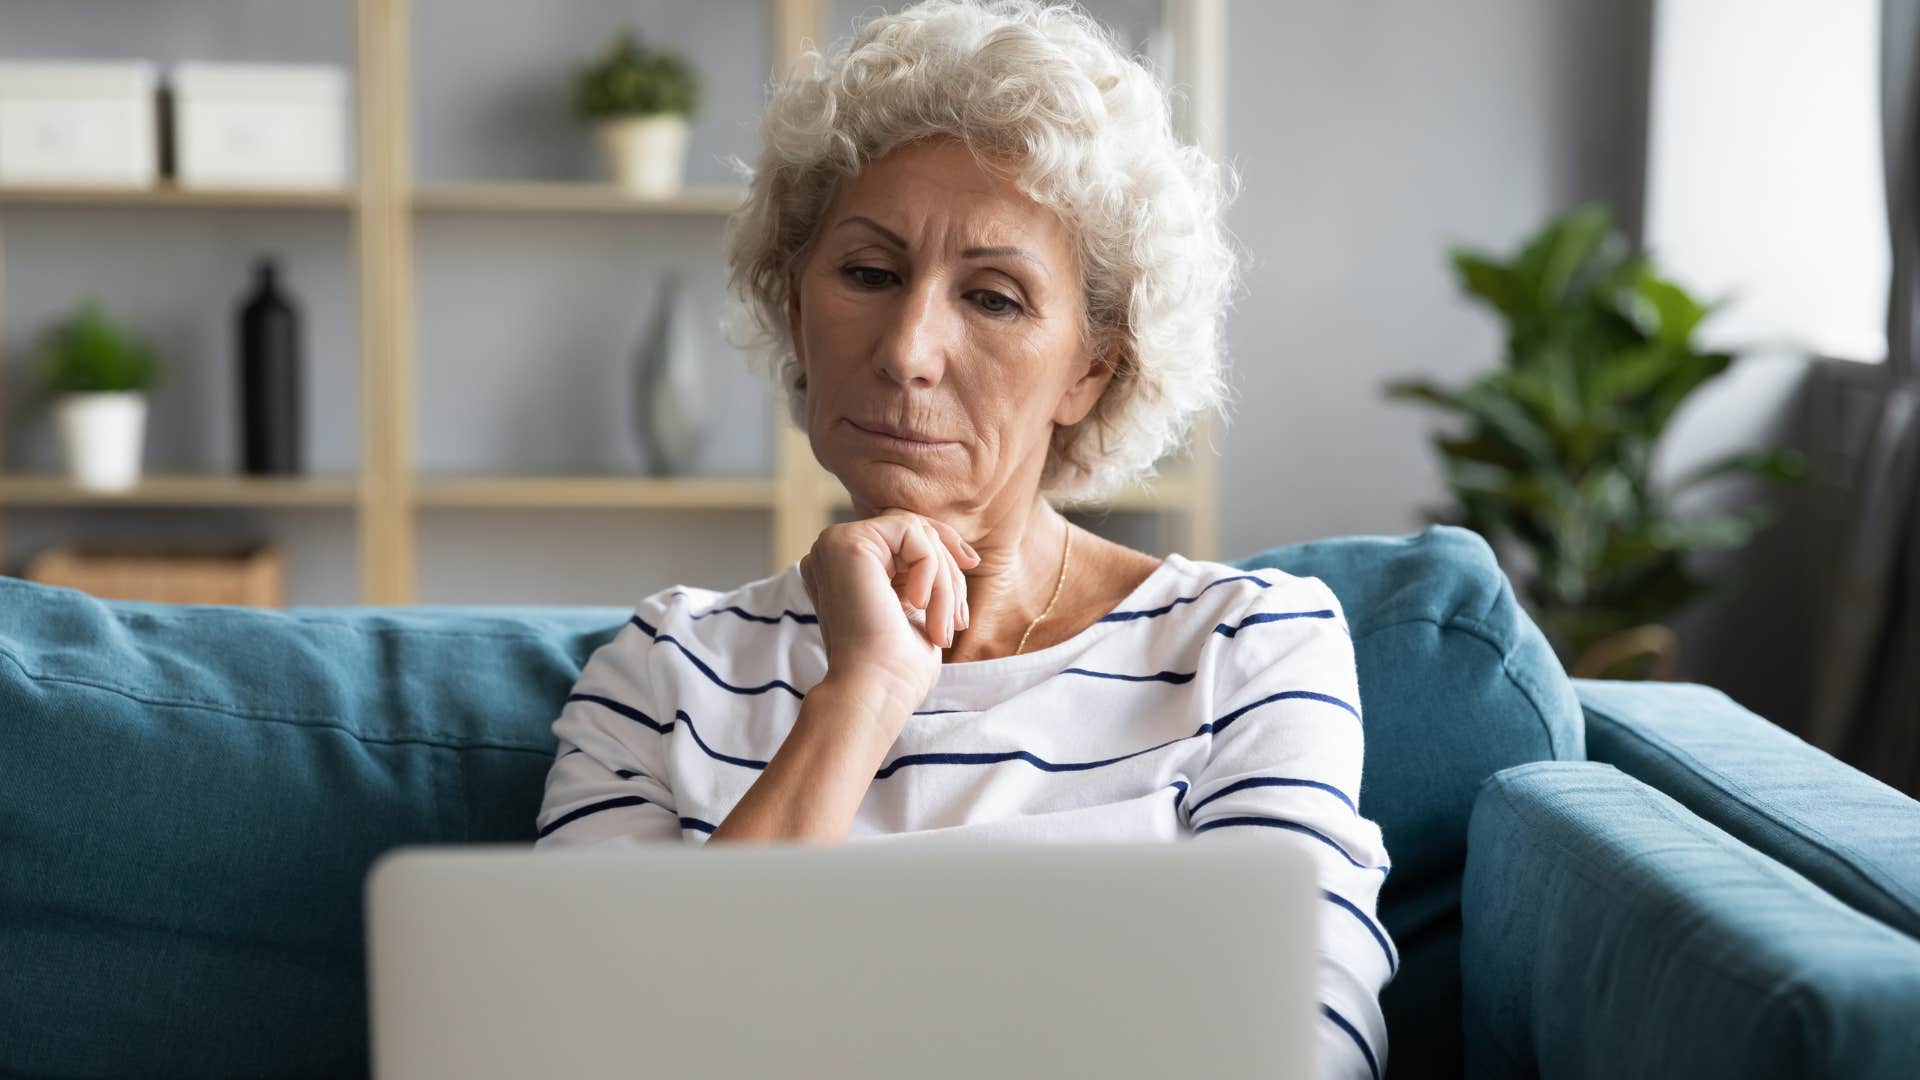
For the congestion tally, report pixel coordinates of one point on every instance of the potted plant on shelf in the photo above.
(641, 99)
(97, 378)
(1558, 442)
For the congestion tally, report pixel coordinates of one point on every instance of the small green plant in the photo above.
(89, 354)
(629, 79)
(1557, 445)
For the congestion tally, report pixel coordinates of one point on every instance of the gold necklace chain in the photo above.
(1065, 557)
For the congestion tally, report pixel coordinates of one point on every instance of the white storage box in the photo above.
(88, 122)
(260, 125)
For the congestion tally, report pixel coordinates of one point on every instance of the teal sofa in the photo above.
(1591, 879)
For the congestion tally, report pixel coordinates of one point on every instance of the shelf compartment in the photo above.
(168, 194)
(594, 492)
(573, 197)
(184, 489)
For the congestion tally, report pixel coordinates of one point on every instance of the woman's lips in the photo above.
(897, 442)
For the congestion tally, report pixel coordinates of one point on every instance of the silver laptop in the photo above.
(861, 960)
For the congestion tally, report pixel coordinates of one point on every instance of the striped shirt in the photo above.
(1210, 699)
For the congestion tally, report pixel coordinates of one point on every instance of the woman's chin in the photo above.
(877, 484)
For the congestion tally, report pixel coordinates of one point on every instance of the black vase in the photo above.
(269, 377)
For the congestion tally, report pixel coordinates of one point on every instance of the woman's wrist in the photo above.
(812, 788)
(879, 701)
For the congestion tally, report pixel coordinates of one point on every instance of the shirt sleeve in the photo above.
(1285, 763)
(608, 785)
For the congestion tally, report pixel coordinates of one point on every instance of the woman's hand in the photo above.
(890, 596)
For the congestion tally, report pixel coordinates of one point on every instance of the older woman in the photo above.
(987, 273)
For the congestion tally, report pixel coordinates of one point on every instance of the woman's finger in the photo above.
(927, 575)
(958, 582)
(963, 615)
(941, 606)
(916, 551)
(959, 553)
(963, 552)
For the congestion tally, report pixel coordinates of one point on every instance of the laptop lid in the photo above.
(859, 960)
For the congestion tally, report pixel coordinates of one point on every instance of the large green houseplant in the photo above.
(1557, 444)
(640, 98)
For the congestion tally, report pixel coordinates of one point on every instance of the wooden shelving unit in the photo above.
(389, 490)
(167, 194)
(584, 198)
(595, 492)
(159, 489)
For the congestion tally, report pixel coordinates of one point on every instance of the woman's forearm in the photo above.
(812, 788)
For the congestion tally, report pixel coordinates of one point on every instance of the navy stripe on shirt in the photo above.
(1277, 781)
(1282, 823)
(1310, 695)
(1164, 676)
(1174, 677)
(1154, 613)
(807, 618)
(609, 804)
(1271, 616)
(713, 676)
(1393, 962)
(800, 617)
(984, 758)
(679, 715)
(1373, 1066)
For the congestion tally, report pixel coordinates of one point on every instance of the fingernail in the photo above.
(970, 551)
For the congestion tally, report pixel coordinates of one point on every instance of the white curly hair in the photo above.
(1047, 88)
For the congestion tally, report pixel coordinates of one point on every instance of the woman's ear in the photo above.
(1080, 398)
(793, 315)
(793, 332)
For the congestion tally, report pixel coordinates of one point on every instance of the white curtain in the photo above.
(1866, 706)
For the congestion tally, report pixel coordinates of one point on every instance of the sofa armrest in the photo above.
(1847, 832)
(1608, 931)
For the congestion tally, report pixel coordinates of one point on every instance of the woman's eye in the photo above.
(858, 273)
(993, 303)
(1007, 305)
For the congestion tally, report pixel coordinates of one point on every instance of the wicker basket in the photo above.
(251, 576)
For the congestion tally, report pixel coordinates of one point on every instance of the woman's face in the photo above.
(942, 304)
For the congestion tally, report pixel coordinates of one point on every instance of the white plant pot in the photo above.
(102, 435)
(646, 155)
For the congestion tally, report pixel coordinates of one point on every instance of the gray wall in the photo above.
(1371, 137)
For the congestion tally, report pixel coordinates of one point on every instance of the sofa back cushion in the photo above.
(1456, 684)
(190, 798)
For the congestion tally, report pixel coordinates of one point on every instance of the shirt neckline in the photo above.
(996, 669)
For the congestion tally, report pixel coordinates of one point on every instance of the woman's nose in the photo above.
(919, 335)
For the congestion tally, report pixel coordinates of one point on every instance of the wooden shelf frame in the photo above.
(388, 492)
(170, 194)
(186, 489)
(574, 197)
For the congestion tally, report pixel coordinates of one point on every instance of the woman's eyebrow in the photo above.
(971, 253)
